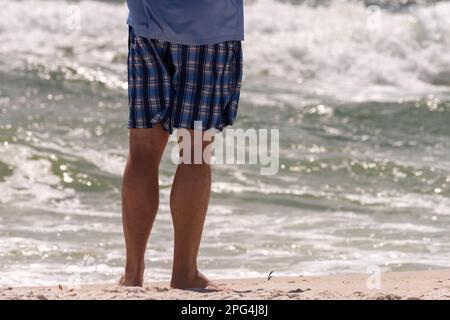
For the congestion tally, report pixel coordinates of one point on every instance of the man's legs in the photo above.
(140, 197)
(189, 199)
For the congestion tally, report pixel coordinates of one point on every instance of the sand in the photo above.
(392, 286)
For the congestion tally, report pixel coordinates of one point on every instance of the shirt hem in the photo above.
(145, 33)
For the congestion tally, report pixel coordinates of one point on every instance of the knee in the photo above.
(147, 144)
(193, 151)
(195, 156)
(145, 153)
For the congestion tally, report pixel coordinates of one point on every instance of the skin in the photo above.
(140, 201)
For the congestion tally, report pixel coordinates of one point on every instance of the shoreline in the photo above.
(392, 286)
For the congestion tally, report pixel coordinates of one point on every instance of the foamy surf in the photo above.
(326, 50)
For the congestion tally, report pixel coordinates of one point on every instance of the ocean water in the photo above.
(360, 91)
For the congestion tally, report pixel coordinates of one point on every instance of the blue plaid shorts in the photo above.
(183, 86)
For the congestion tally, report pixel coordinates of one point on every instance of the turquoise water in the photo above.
(363, 112)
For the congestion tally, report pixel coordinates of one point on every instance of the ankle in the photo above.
(192, 279)
(184, 274)
(185, 268)
(132, 279)
(134, 272)
(131, 282)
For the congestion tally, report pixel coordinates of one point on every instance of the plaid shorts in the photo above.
(183, 86)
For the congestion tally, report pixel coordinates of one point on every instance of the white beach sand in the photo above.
(394, 285)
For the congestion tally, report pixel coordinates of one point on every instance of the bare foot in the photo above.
(130, 283)
(197, 282)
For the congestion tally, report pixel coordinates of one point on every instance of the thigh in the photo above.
(148, 141)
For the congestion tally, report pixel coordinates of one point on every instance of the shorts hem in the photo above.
(218, 127)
